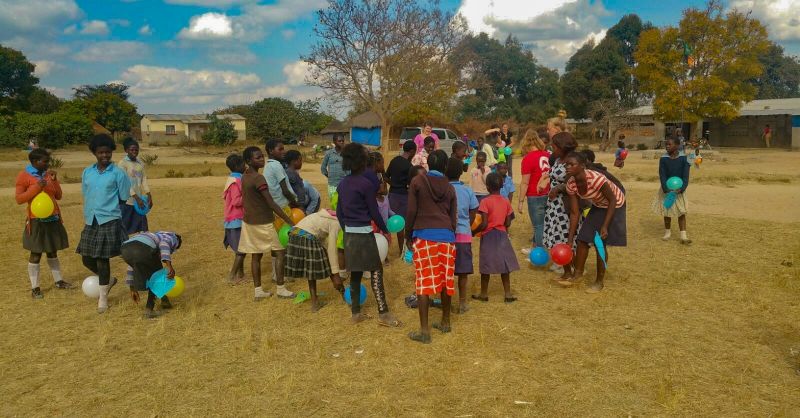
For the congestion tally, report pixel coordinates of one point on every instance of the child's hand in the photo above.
(53, 175)
(170, 271)
(42, 182)
(603, 232)
(553, 194)
(139, 201)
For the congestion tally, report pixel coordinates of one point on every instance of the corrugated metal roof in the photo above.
(754, 108)
(185, 118)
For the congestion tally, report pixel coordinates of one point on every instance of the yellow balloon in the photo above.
(176, 290)
(42, 205)
(586, 212)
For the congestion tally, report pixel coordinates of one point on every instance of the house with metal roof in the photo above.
(174, 128)
(747, 130)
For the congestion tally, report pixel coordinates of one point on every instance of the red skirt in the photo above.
(434, 267)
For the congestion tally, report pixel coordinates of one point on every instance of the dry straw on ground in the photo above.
(709, 329)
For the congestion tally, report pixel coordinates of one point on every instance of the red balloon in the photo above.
(623, 154)
(561, 254)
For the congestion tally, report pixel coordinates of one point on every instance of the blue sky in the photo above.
(182, 56)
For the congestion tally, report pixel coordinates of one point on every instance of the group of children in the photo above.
(442, 216)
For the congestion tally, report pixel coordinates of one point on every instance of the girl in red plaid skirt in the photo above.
(431, 224)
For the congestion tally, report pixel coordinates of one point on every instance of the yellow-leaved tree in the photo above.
(701, 68)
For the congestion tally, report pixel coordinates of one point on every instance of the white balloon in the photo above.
(91, 287)
(383, 246)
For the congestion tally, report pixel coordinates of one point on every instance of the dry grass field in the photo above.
(709, 329)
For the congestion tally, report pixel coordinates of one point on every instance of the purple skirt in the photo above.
(231, 239)
(497, 254)
(399, 203)
(464, 258)
(131, 220)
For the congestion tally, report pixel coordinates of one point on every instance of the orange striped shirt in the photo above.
(594, 184)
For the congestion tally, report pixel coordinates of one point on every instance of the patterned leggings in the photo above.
(377, 288)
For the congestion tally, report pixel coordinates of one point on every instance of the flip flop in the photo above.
(394, 323)
(481, 298)
(301, 297)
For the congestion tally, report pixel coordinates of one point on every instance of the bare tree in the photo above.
(611, 116)
(385, 55)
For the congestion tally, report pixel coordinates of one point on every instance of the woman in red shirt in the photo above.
(606, 217)
(536, 184)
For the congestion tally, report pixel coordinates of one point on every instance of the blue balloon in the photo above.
(141, 210)
(674, 183)
(539, 256)
(669, 200)
(408, 256)
(159, 284)
(362, 298)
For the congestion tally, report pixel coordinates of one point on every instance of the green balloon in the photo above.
(334, 200)
(283, 235)
(340, 241)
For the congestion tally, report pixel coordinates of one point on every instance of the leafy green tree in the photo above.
(781, 76)
(701, 68)
(16, 78)
(52, 130)
(110, 110)
(280, 118)
(42, 101)
(504, 81)
(88, 90)
(220, 132)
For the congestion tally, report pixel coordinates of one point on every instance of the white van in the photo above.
(446, 136)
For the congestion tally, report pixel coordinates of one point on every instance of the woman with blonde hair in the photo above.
(556, 125)
(535, 182)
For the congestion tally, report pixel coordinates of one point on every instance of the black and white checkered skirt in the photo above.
(306, 258)
(102, 241)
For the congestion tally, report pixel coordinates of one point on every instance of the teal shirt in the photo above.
(102, 193)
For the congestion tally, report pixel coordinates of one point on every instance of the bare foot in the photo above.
(595, 287)
(389, 320)
(315, 307)
(359, 317)
(570, 281)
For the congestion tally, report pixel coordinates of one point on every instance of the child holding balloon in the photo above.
(432, 218)
(311, 248)
(258, 233)
(467, 209)
(145, 254)
(132, 219)
(478, 176)
(44, 231)
(497, 256)
(356, 209)
(673, 165)
(103, 186)
(603, 226)
(621, 154)
(283, 194)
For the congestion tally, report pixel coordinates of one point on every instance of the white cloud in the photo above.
(232, 56)
(208, 26)
(120, 22)
(162, 82)
(145, 30)
(552, 30)
(288, 34)
(220, 4)
(296, 73)
(94, 27)
(44, 67)
(781, 17)
(251, 24)
(58, 91)
(113, 51)
(264, 92)
(35, 17)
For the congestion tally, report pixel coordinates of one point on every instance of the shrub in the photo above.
(53, 130)
(641, 147)
(56, 163)
(170, 174)
(149, 159)
(220, 132)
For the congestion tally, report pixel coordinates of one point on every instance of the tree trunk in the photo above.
(386, 128)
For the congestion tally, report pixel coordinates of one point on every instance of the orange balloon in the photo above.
(297, 215)
(698, 160)
(477, 222)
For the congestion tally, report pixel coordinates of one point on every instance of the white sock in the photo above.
(102, 302)
(55, 269)
(684, 236)
(259, 290)
(667, 234)
(33, 274)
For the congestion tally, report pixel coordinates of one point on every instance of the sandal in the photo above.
(481, 298)
(512, 299)
(442, 328)
(419, 337)
(361, 317)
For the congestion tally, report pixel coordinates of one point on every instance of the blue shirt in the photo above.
(508, 187)
(274, 174)
(467, 201)
(332, 167)
(102, 193)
